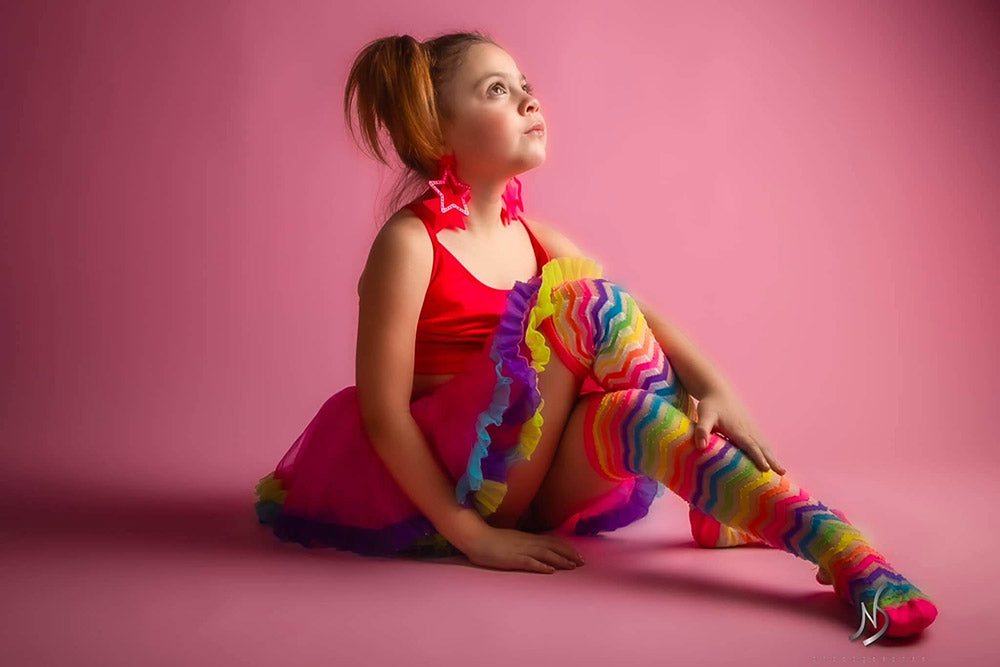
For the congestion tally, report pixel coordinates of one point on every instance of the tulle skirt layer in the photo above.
(331, 488)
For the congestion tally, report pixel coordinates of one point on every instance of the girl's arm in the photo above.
(391, 292)
(695, 371)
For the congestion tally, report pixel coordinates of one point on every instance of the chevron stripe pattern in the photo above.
(635, 432)
(599, 325)
(642, 426)
(588, 311)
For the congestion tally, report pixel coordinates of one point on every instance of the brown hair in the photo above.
(397, 82)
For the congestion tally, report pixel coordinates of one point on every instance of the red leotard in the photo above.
(459, 311)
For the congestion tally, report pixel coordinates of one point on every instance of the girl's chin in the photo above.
(529, 162)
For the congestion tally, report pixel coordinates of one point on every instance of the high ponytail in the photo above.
(396, 85)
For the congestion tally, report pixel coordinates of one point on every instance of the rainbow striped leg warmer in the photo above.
(619, 343)
(643, 425)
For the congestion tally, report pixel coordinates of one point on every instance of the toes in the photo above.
(910, 618)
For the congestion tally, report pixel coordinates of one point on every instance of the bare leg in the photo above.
(559, 388)
(572, 483)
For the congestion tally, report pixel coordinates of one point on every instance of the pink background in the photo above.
(809, 190)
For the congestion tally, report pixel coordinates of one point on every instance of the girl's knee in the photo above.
(586, 314)
(597, 289)
(594, 308)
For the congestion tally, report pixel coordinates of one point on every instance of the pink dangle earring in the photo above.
(512, 204)
(452, 194)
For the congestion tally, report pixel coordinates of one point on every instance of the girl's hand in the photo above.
(723, 411)
(508, 549)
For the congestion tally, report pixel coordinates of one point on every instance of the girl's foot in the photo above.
(859, 576)
(711, 534)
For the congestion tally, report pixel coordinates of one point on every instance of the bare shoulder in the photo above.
(404, 226)
(555, 241)
(402, 241)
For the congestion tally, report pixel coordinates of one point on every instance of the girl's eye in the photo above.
(527, 87)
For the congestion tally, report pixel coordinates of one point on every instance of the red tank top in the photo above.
(459, 311)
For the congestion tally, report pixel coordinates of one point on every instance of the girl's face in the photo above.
(492, 108)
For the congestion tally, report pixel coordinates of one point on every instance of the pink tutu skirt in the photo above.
(331, 489)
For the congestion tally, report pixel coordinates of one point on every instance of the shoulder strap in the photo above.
(541, 255)
(421, 213)
(435, 244)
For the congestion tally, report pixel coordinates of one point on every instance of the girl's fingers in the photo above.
(760, 453)
(562, 560)
(534, 565)
(758, 458)
(778, 468)
(770, 457)
(548, 555)
(564, 549)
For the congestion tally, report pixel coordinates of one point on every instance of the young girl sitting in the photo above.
(506, 390)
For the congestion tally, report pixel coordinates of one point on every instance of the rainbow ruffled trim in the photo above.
(414, 536)
(528, 304)
(483, 485)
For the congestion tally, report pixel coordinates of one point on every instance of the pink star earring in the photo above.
(453, 193)
(452, 196)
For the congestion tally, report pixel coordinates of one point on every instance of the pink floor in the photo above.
(810, 190)
(142, 572)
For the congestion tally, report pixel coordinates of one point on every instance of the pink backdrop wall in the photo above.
(808, 189)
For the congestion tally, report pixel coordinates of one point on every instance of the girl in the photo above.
(465, 434)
